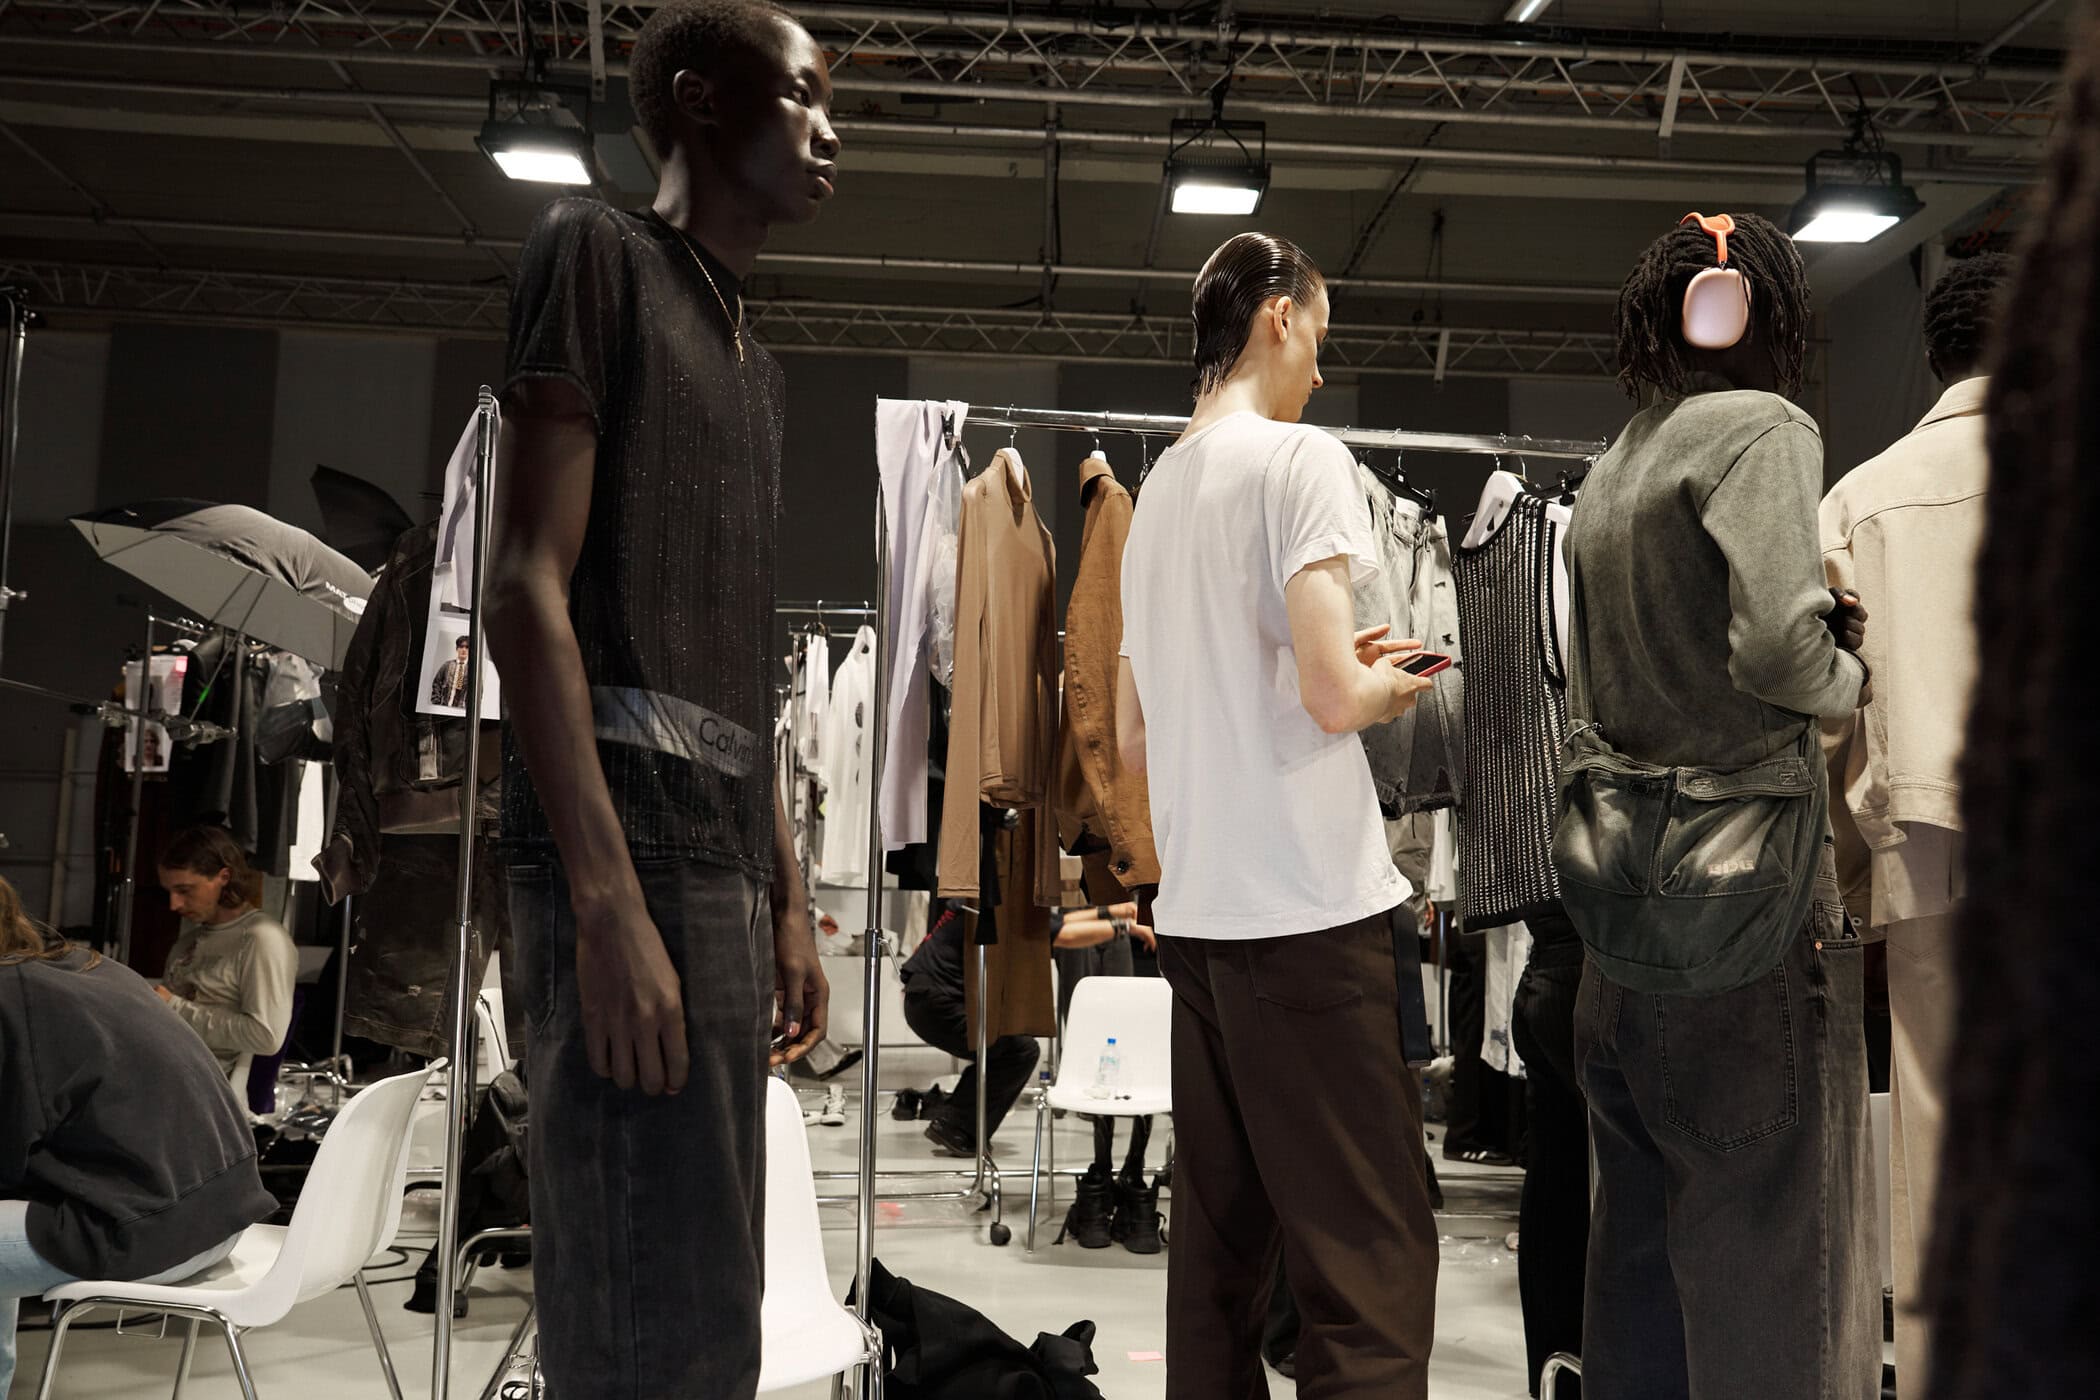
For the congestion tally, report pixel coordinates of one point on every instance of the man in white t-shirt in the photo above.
(1242, 687)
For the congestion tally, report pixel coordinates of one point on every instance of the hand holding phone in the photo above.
(1423, 663)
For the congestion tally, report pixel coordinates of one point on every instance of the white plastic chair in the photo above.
(349, 1210)
(1139, 1013)
(807, 1334)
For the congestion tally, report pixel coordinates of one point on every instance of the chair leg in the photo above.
(240, 1360)
(386, 1358)
(61, 1323)
(510, 1353)
(189, 1350)
(1035, 1179)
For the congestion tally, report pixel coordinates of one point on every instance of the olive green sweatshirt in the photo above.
(1697, 571)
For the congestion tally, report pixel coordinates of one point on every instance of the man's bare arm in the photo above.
(633, 1010)
(1130, 718)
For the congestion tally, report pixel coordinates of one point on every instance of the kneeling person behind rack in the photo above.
(934, 1009)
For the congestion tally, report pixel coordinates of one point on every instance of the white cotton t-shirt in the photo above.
(1266, 826)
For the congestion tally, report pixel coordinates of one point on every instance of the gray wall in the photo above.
(1878, 384)
(151, 410)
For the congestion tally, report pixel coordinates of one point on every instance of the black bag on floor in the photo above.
(939, 1349)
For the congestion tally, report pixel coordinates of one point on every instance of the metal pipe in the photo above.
(1033, 270)
(342, 983)
(250, 92)
(1148, 143)
(459, 1076)
(62, 827)
(894, 313)
(2012, 30)
(872, 936)
(127, 894)
(1256, 35)
(848, 81)
(11, 356)
(1171, 425)
(1262, 34)
(830, 262)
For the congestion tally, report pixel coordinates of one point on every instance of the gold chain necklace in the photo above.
(736, 322)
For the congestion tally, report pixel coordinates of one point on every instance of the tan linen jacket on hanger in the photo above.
(1905, 530)
(1096, 794)
(1002, 739)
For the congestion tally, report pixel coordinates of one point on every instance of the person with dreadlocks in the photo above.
(2011, 1287)
(1905, 529)
(1732, 1243)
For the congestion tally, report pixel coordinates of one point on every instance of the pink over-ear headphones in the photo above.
(1717, 303)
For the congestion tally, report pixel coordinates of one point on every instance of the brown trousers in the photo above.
(1298, 1127)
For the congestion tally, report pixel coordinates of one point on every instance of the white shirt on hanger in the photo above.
(812, 700)
(909, 453)
(848, 771)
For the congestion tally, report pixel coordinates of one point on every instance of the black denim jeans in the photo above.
(1732, 1247)
(1554, 1216)
(648, 1214)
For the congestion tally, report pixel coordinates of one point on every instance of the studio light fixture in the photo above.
(1211, 166)
(1525, 11)
(1854, 195)
(527, 139)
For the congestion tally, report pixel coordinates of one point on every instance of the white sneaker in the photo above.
(833, 1114)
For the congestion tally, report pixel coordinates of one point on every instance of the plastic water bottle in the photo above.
(1108, 1074)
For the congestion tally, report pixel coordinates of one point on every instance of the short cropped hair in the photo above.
(695, 34)
(1960, 310)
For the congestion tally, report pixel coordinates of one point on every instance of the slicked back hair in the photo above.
(1245, 272)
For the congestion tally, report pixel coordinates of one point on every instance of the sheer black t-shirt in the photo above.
(672, 597)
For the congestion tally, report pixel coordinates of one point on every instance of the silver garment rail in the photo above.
(459, 1077)
(1170, 425)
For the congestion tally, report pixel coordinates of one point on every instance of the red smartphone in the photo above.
(1425, 663)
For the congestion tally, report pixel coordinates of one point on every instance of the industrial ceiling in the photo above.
(1476, 188)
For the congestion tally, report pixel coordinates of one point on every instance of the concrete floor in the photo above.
(321, 1351)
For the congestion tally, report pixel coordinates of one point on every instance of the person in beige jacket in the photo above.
(1904, 530)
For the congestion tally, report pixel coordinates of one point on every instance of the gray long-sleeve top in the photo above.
(1699, 581)
(233, 984)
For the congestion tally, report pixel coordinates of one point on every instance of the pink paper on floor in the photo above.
(1148, 1356)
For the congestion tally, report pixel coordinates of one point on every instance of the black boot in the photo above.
(1092, 1217)
(423, 1297)
(1137, 1222)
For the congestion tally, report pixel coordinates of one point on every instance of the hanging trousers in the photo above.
(1922, 997)
(1554, 1216)
(1298, 1128)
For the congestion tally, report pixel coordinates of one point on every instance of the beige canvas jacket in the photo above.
(1904, 530)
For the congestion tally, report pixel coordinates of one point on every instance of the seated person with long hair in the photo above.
(233, 970)
(123, 1154)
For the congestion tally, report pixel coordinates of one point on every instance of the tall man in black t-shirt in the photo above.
(662, 926)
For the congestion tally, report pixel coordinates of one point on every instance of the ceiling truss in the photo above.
(478, 311)
(1025, 54)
